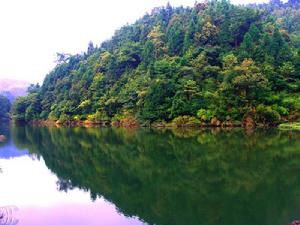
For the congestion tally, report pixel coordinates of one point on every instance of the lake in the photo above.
(114, 176)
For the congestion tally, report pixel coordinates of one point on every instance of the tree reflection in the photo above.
(178, 177)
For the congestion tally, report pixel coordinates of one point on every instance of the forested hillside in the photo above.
(215, 62)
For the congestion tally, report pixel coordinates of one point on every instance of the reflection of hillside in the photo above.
(200, 177)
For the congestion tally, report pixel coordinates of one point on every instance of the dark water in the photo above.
(74, 176)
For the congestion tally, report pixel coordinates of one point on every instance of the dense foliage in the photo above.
(212, 61)
(4, 107)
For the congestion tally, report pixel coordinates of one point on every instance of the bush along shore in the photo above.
(213, 64)
(290, 126)
(178, 122)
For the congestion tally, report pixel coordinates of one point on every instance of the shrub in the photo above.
(64, 118)
(205, 115)
(129, 122)
(280, 109)
(267, 115)
(118, 117)
(188, 121)
(53, 116)
(98, 117)
(79, 118)
(292, 103)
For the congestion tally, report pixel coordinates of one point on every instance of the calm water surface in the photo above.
(89, 176)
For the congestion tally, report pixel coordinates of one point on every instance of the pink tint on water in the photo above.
(102, 213)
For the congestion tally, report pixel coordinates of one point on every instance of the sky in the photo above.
(33, 31)
(33, 190)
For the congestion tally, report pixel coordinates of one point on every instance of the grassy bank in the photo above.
(290, 126)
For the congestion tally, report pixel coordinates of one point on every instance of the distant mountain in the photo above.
(13, 88)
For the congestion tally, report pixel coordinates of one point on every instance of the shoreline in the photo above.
(287, 125)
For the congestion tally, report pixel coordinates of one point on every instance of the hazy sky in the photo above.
(32, 31)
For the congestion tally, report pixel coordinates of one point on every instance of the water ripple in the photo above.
(7, 215)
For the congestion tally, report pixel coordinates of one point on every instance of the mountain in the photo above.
(214, 63)
(13, 88)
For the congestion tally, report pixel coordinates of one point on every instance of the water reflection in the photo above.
(7, 147)
(188, 177)
(29, 184)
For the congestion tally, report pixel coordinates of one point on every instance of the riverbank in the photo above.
(179, 122)
(290, 126)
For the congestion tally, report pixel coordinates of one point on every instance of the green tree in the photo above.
(223, 58)
(247, 47)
